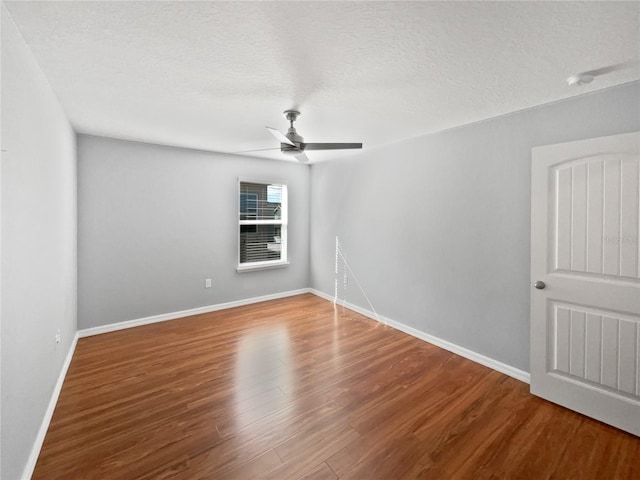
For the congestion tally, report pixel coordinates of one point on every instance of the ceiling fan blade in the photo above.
(330, 146)
(258, 150)
(302, 158)
(280, 137)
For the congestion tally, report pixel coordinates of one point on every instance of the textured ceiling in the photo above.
(211, 75)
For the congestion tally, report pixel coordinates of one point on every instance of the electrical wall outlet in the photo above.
(58, 336)
(207, 283)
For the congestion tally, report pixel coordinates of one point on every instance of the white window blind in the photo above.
(262, 222)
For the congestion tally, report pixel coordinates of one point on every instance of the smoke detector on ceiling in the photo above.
(580, 79)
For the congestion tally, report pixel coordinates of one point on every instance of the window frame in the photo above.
(283, 222)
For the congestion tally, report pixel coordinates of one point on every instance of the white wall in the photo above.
(437, 228)
(155, 221)
(38, 284)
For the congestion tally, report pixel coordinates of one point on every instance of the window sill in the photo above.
(260, 266)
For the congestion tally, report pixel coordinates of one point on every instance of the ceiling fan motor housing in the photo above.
(295, 138)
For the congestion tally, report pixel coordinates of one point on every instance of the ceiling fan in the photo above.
(293, 144)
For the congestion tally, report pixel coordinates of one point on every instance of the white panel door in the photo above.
(585, 316)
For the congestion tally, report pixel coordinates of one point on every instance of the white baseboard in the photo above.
(439, 342)
(112, 327)
(46, 420)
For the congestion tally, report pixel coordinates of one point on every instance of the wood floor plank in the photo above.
(260, 467)
(321, 472)
(460, 448)
(299, 388)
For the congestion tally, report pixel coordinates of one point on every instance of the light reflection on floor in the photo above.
(263, 373)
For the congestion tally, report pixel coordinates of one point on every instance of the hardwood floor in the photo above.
(296, 388)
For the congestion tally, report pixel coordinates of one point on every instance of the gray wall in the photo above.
(154, 222)
(436, 228)
(38, 247)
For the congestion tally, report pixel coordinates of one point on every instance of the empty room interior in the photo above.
(427, 265)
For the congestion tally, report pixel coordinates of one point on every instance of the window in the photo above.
(262, 225)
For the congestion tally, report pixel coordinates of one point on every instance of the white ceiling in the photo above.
(211, 75)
